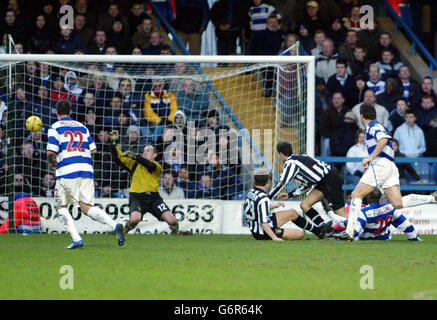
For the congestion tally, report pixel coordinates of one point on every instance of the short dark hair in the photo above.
(410, 111)
(368, 111)
(285, 148)
(373, 197)
(341, 61)
(261, 177)
(63, 107)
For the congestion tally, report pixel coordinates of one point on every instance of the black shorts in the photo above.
(278, 231)
(331, 187)
(147, 202)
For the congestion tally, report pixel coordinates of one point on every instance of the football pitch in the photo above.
(210, 267)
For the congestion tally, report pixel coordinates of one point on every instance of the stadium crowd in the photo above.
(353, 66)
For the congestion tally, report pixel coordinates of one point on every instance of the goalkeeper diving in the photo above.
(145, 174)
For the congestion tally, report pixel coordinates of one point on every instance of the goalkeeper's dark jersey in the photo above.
(142, 180)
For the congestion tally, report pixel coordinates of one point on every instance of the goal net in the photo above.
(210, 126)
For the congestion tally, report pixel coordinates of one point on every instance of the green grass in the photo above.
(215, 267)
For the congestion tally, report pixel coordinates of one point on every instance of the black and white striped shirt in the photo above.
(305, 169)
(257, 210)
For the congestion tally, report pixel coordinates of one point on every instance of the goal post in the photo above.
(104, 89)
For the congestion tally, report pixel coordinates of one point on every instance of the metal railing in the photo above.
(429, 183)
(415, 42)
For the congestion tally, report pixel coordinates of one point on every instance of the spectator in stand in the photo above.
(268, 41)
(213, 123)
(342, 82)
(192, 102)
(29, 79)
(159, 105)
(390, 96)
(345, 7)
(132, 102)
(29, 166)
(117, 38)
(319, 37)
(42, 106)
(375, 83)
(385, 42)
(402, 167)
(136, 17)
(38, 140)
(337, 32)
(205, 188)
(168, 189)
(346, 50)
(155, 44)
(311, 18)
(47, 188)
(326, 64)
(105, 20)
(112, 113)
(355, 170)
(411, 137)
(40, 41)
(229, 151)
(408, 87)
(45, 74)
(360, 89)
(258, 14)
(71, 84)
(183, 182)
(331, 119)
(381, 112)
(360, 64)
(81, 8)
(388, 67)
(87, 103)
(137, 50)
(191, 20)
(68, 42)
(289, 41)
(141, 37)
(426, 113)
(431, 140)
(369, 37)
(326, 10)
(11, 26)
(287, 10)
(353, 20)
(344, 136)
(427, 89)
(227, 17)
(103, 93)
(99, 45)
(82, 29)
(133, 141)
(397, 116)
(224, 179)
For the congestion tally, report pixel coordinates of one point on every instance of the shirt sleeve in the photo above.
(264, 211)
(53, 140)
(378, 132)
(289, 172)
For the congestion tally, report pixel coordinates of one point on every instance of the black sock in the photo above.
(305, 224)
(314, 217)
(127, 227)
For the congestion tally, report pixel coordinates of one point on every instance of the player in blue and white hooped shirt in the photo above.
(380, 169)
(69, 150)
(258, 14)
(374, 221)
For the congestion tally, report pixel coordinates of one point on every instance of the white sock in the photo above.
(67, 220)
(337, 219)
(416, 199)
(101, 216)
(354, 212)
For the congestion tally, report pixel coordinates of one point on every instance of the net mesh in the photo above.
(193, 118)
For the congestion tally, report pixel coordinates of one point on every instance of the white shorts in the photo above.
(69, 191)
(381, 173)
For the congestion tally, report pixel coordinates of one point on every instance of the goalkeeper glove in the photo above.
(298, 191)
(130, 154)
(114, 136)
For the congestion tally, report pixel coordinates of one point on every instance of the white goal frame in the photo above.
(197, 59)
